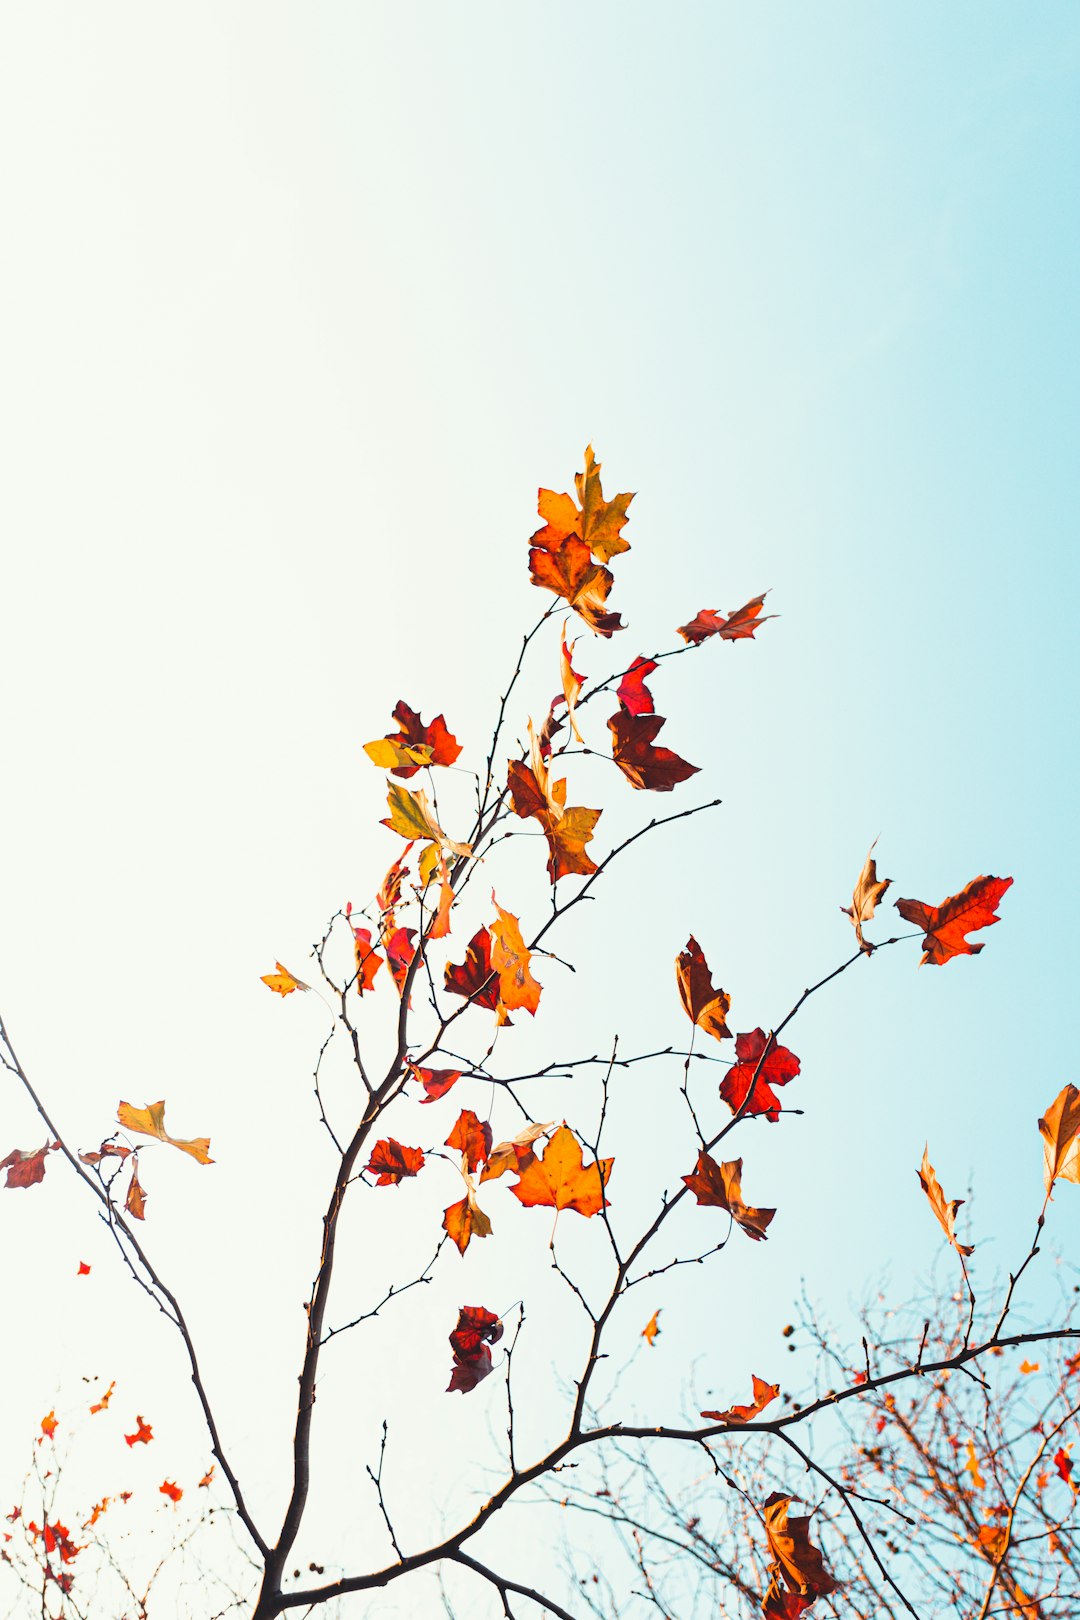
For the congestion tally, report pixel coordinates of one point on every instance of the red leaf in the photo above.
(26, 1169)
(143, 1434)
(57, 1538)
(84, 1269)
(391, 1162)
(476, 1329)
(436, 1082)
(400, 951)
(705, 1005)
(173, 1492)
(413, 733)
(471, 1138)
(946, 926)
(1064, 1465)
(795, 1558)
(632, 692)
(475, 978)
(738, 626)
(780, 1066)
(368, 960)
(657, 769)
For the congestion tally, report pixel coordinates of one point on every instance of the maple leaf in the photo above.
(432, 743)
(764, 1395)
(1060, 1126)
(135, 1200)
(570, 572)
(656, 769)
(368, 960)
(283, 983)
(946, 926)
(471, 1138)
(721, 1185)
(567, 828)
(651, 1331)
(400, 951)
(738, 626)
(510, 958)
(439, 926)
(475, 978)
(868, 892)
(173, 1492)
(465, 1219)
(412, 816)
(150, 1121)
(103, 1404)
(944, 1209)
(560, 1180)
(572, 682)
(632, 692)
(778, 1067)
(516, 1153)
(705, 1006)
(84, 1269)
(477, 1329)
(57, 1538)
(26, 1169)
(436, 1082)
(143, 1433)
(391, 1162)
(797, 1560)
(598, 523)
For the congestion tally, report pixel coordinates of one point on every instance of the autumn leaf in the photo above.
(476, 978)
(780, 1604)
(103, 1404)
(738, 626)
(721, 1185)
(150, 1121)
(632, 692)
(1027, 1367)
(26, 1169)
(207, 1478)
(572, 682)
(651, 1331)
(1064, 1464)
(971, 1467)
(108, 1150)
(764, 1395)
(656, 769)
(84, 1269)
(515, 1154)
(391, 1162)
(510, 958)
(135, 1200)
(95, 1512)
(598, 523)
(946, 926)
(570, 572)
(560, 1180)
(567, 828)
(995, 1538)
(477, 1329)
(1060, 1126)
(465, 1219)
(705, 1005)
(368, 960)
(48, 1424)
(778, 1066)
(412, 816)
(797, 1560)
(432, 743)
(436, 1082)
(472, 1138)
(439, 926)
(400, 950)
(389, 892)
(944, 1209)
(143, 1433)
(57, 1539)
(173, 1492)
(868, 893)
(283, 983)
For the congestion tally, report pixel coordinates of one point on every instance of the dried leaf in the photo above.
(721, 1185)
(1060, 1126)
(570, 572)
(416, 744)
(143, 1433)
(476, 978)
(472, 1138)
(26, 1169)
(436, 1082)
(944, 1209)
(797, 1560)
(368, 960)
(738, 626)
(632, 692)
(150, 1121)
(283, 983)
(103, 1404)
(764, 1395)
(946, 926)
(656, 769)
(868, 893)
(391, 1162)
(567, 828)
(705, 1006)
(598, 523)
(572, 682)
(135, 1201)
(515, 1154)
(172, 1491)
(510, 958)
(412, 816)
(477, 1329)
(465, 1219)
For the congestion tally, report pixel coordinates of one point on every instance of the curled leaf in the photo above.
(764, 1395)
(944, 1209)
(868, 893)
(1060, 1128)
(721, 1185)
(705, 1005)
(150, 1121)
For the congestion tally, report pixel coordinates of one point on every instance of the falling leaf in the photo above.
(26, 1169)
(721, 1185)
(368, 960)
(632, 692)
(283, 983)
(477, 1329)
(738, 626)
(567, 828)
(560, 1180)
(472, 1138)
(510, 958)
(797, 1560)
(1060, 1126)
(599, 523)
(946, 926)
(103, 1404)
(84, 1269)
(391, 1162)
(515, 1154)
(868, 892)
(465, 1219)
(572, 682)
(143, 1433)
(656, 769)
(705, 1005)
(778, 1066)
(135, 1201)
(173, 1492)
(944, 1209)
(475, 978)
(433, 743)
(436, 1082)
(764, 1395)
(651, 1331)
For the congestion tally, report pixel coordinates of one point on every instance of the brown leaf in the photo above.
(738, 626)
(705, 1005)
(26, 1169)
(721, 1185)
(135, 1201)
(516, 1153)
(798, 1561)
(656, 769)
(868, 892)
(944, 1209)
(1060, 1126)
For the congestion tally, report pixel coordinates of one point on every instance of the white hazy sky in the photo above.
(300, 304)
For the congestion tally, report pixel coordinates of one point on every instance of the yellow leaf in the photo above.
(411, 815)
(1060, 1126)
(150, 1121)
(283, 983)
(388, 754)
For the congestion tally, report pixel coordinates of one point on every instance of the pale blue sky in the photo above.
(301, 306)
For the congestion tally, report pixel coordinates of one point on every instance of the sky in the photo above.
(300, 307)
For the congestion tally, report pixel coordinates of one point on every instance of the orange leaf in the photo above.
(400, 950)
(598, 523)
(1029, 1366)
(434, 739)
(150, 1121)
(26, 1169)
(797, 1560)
(143, 1433)
(738, 626)
(283, 983)
(946, 926)
(944, 1209)
(103, 1404)
(651, 1331)
(567, 828)
(656, 769)
(510, 958)
(436, 1082)
(471, 1138)
(560, 1180)
(465, 1219)
(868, 892)
(570, 572)
(705, 1005)
(516, 1153)
(764, 1395)
(972, 1467)
(721, 1186)
(135, 1201)
(572, 682)
(208, 1476)
(1060, 1126)
(368, 960)
(173, 1492)
(48, 1424)
(391, 1162)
